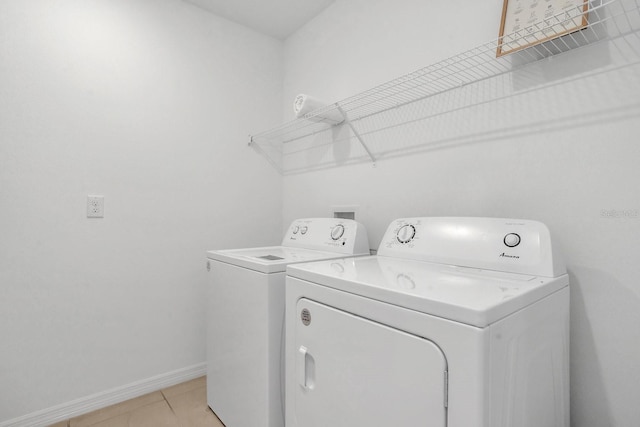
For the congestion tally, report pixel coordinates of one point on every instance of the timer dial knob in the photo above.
(406, 233)
(337, 232)
(296, 229)
(304, 230)
(512, 240)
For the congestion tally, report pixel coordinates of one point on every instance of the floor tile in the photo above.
(192, 410)
(157, 414)
(185, 387)
(61, 424)
(116, 410)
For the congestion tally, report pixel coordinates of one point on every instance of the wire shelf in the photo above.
(607, 20)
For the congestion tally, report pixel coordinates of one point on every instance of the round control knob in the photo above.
(512, 240)
(337, 232)
(296, 229)
(304, 229)
(406, 233)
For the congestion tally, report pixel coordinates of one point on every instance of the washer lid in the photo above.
(269, 259)
(473, 296)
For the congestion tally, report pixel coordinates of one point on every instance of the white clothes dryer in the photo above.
(458, 322)
(245, 317)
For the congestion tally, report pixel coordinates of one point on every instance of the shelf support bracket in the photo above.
(356, 133)
(252, 143)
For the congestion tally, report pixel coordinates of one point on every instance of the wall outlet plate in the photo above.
(95, 206)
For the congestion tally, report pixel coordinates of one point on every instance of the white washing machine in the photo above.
(458, 322)
(245, 317)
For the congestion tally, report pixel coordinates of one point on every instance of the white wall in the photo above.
(562, 149)
(150, 104)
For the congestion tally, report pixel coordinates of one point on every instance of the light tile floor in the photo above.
(183, 405)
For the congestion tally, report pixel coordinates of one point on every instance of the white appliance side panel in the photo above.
(355, 372)
(530, 365)
(245, 315)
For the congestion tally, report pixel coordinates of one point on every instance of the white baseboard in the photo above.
(100, 400)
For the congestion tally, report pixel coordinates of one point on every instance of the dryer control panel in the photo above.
(510, 245)
(339, 235)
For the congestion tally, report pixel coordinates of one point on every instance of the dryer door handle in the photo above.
(306, 367)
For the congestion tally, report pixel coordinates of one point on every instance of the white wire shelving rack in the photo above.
(607, 20)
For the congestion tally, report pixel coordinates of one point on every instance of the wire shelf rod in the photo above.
(607, 20)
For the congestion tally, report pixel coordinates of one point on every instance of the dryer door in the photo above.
(351, 371)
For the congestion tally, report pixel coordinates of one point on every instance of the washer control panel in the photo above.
(510, 245)
(328, 234)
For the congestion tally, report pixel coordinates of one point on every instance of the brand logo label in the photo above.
(503, 255)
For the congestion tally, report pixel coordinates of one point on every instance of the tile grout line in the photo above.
(168, 403)
(162, 394)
